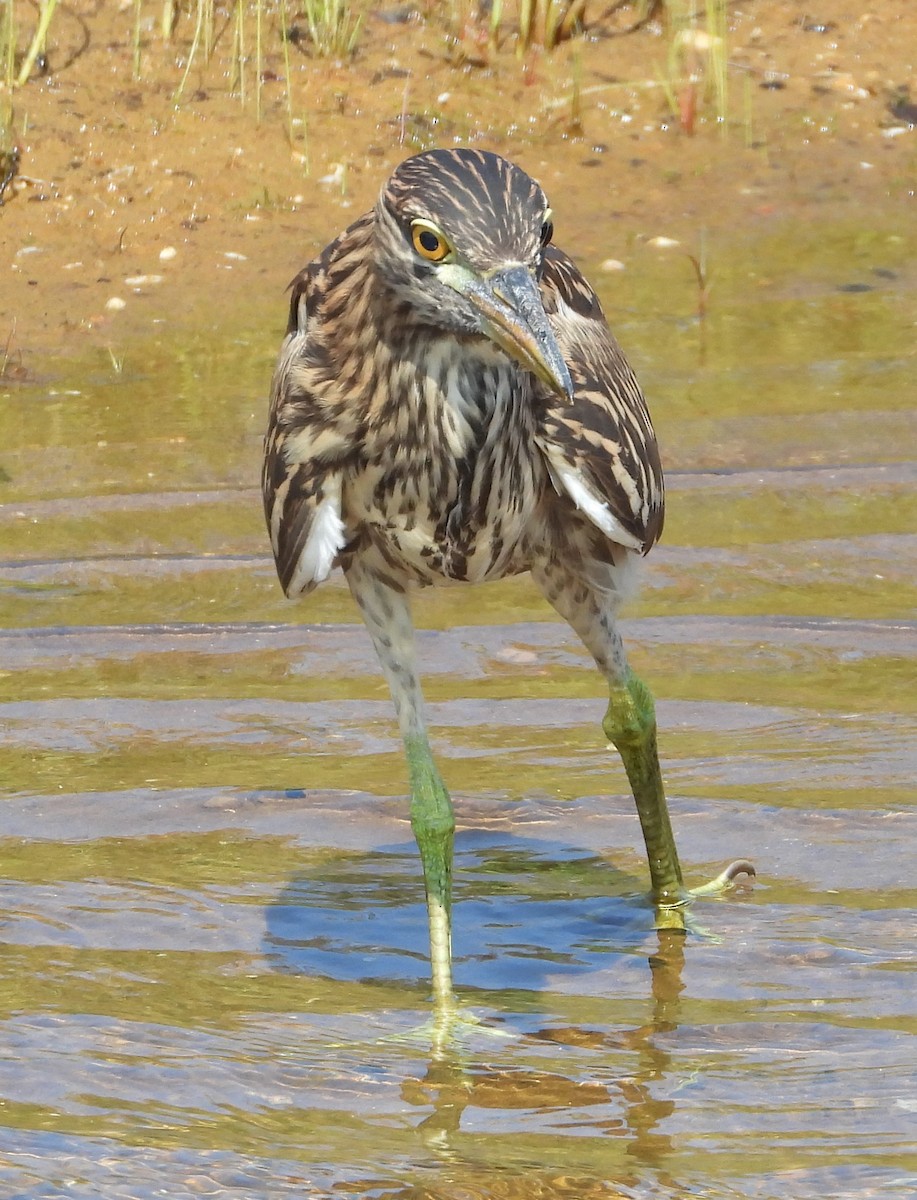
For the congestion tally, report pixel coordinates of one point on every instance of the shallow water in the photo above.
(213, 929)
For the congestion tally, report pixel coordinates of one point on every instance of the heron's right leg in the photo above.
(387, 613)
(630, 724)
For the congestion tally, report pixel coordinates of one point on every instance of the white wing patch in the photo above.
(586, 500)
(325, 541)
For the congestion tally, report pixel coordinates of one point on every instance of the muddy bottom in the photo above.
(214, 977)
(234, 1006)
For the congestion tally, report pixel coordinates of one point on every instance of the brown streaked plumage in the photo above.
(449, 404)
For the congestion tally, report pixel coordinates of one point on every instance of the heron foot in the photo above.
(451, 1027)
(725, 881)
(676, 916)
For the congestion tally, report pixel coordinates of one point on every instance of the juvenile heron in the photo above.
(449, 404)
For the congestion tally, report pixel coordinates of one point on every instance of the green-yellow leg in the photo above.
(387, 613)
(630, 723)
(434, 827)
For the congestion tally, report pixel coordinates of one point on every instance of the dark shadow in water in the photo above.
(526, 911)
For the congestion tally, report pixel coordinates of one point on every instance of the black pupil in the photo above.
(547, 232)
(429, 241)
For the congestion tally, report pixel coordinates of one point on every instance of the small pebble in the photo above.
(663, 243)
(167, 253)
(235, 255)
(612, 264)
(141, 280)
(115, 304)
(335, 176)
(697, 39)
(516, 654)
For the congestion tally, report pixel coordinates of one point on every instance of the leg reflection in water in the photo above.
(490, 1117)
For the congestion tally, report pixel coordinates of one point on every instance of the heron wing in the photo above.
(601, 449)
(312, 438)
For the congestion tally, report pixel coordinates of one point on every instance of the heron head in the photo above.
(461, 236)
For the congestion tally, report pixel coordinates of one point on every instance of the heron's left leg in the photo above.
(387, 614)
(630, 724)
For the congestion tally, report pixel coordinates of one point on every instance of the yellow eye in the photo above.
(429, 244)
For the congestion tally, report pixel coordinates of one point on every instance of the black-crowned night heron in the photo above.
(449, 404)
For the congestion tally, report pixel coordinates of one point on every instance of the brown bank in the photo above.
(133, 205)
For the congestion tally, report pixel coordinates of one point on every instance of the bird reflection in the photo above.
(645, 1110)
(454, 1083)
